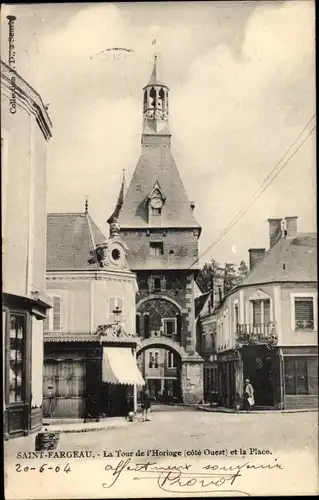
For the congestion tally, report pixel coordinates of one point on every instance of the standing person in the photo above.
(146, 403)
(249, 400)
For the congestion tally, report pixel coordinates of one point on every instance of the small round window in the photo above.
(116, 254)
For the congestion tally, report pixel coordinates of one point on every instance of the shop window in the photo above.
(301, 375)
(169, 326)
(304, 313)
(156, 248)
(17, 357)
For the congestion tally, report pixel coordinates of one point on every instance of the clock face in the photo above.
(156, 202)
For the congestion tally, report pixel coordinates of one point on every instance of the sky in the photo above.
(242, 88)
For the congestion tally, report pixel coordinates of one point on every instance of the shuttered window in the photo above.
(56, 323)
(304, 317)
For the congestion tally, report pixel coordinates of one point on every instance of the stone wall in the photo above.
(192, 377)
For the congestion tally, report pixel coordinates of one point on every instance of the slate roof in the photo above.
(70, 237)
(156, 163)
(289, 260)
(154, 78)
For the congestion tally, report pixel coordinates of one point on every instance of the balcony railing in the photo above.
(262, 333)
(304, 324)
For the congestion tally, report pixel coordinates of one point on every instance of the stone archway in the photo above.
(157, 297)
(163, 342)
(160, 360)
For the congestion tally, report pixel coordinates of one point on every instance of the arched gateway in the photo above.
(164, 358)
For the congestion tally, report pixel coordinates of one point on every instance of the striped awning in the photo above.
(119, 367)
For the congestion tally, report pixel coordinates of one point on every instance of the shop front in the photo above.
(22, 334)
(88, 377)
(299, 377)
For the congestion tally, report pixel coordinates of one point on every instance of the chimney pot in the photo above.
(275, 231)
(255, 256)
(291, 226)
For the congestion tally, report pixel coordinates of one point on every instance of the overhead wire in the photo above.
(265, 184)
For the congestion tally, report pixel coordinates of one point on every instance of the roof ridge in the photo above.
(66, 213)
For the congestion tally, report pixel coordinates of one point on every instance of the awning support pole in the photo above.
(135, 387)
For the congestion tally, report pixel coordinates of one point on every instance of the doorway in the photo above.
(259, 364)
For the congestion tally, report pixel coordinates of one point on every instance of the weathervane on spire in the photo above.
(154, 45)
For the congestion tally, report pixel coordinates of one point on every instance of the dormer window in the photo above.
(156, 200)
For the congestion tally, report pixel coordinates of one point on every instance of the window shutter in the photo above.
(256, 312)
(304, 309)
(266, 311)
(56, 313)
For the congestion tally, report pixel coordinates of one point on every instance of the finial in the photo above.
(86, 205)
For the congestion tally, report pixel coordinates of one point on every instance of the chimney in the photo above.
(255, 256)
(291, 227)
(275, 231)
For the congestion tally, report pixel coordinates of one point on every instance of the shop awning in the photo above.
(119, 367)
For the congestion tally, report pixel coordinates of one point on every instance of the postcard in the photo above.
(159, 249)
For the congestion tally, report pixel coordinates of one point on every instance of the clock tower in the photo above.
(158, 225)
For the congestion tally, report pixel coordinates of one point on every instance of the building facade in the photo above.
(159, 227)
(25, 132)
(90, 368)
(266, 327)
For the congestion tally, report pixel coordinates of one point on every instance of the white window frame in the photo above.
(262, 310)
(166, 320)
(304, 295)
(151, 283)
(51, 311)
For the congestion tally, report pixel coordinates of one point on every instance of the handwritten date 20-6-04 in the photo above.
(44, 468)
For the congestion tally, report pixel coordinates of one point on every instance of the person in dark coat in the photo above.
(146, 403)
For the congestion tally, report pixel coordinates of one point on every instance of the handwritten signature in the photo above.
(177, 478)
